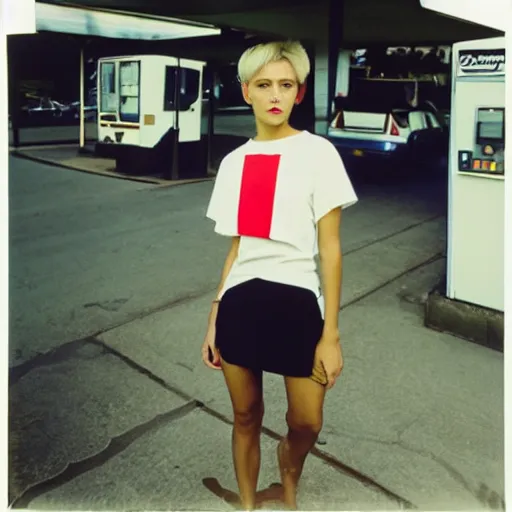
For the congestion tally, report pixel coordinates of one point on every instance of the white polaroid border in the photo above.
(16, 17)
(508, 256)
(4, 237)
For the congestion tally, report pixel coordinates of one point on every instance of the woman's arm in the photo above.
(329, 248)
(228, 263)
(328, 351)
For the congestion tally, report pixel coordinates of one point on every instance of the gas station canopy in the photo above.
(363, 22)
(74, 20)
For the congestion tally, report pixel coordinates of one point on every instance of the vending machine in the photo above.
(475, 267)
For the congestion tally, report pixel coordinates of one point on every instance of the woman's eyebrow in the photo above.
(276, 80)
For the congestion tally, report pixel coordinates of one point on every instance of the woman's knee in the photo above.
(306, 424)
(250, 417)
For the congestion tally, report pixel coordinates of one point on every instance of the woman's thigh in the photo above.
(245, 388)
(305, 402)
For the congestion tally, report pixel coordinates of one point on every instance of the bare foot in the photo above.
(289, 476)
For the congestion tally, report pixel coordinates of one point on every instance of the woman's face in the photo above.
(272, 92)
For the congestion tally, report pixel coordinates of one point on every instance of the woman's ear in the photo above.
(245, 93)
(301, 93)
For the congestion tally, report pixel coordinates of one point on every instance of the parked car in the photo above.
(46, 108)
(378, 120)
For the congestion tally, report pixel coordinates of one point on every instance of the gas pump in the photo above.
(477, 174)
(149, 115)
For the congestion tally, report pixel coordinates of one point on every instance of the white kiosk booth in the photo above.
(476, 209)
(149, 113)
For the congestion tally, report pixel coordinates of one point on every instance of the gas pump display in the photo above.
(487, 156)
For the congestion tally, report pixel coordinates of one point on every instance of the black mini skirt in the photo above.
(268, 326)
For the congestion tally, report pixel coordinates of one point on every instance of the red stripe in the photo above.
(256, 206)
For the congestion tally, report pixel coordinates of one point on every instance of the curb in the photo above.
(44, 145)
(110, 174)
(476, 324)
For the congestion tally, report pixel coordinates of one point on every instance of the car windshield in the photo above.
(383, 96)
(376, 96)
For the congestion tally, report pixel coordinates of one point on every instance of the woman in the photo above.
(279, 196)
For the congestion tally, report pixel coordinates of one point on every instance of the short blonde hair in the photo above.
(254, 58)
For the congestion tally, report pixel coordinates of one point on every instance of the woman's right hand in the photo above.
(209, 344)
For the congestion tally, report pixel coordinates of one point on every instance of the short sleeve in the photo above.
(223, 200)
(219, 190)
(332, 186)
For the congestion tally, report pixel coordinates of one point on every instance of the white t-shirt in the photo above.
(272, 194)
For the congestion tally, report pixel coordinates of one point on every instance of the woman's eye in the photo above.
(262, 86)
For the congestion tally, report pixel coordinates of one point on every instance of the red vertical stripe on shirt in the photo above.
(257, 192)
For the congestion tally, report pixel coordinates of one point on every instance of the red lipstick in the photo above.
(275, 110)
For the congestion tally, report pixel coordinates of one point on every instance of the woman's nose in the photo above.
(276, 92)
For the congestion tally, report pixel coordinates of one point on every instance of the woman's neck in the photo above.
(266, 132)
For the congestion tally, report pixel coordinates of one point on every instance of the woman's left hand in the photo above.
(328, 354)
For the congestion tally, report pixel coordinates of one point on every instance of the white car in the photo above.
(378, 121)
(47, 108)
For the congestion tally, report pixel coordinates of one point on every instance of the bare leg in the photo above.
(304, 419)
(245, 390)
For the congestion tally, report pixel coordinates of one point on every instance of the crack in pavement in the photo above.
(484, 495)
(391, 235)
(116, 445)
(144, 371)
(428, 261)
(69, 348)
(108, 305)
(57, 355)
(488, 498)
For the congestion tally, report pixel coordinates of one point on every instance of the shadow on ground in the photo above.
(272, 495)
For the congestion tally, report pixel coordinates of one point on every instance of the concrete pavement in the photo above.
(111, 407)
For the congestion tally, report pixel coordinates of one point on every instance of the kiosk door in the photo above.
(119, 102)
(183, 95)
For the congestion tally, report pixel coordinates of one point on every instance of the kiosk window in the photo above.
(129, 77)
(189, 87)
(108, 87)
